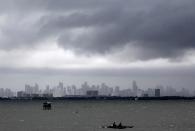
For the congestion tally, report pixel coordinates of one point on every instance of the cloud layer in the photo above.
(144, 29)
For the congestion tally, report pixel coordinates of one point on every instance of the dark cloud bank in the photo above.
(158, 28)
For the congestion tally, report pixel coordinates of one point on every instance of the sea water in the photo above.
(90, 115)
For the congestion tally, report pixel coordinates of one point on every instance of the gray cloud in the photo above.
(159, 29)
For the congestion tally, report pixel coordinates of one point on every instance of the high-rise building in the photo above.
(157, 92)
(125, 93)
(36, 89)
(150, 92)
(170, 91)
(32, 89)
(162, 90)
(28, 89)
(2, 92)
(105, 90)
(84, 88)
(184, 92)
(116, 91)
(21, 94)
(135, 88)
(92, 93)
(73, 90)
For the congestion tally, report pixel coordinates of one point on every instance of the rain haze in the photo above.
(111, 41)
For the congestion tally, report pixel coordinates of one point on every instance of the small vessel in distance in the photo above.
(47, 105)
(120, 126)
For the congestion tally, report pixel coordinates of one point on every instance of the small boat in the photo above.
(120, 126)
(47, 105)
(117, 127)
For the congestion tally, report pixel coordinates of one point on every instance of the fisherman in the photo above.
(114, 124)
(120, 125)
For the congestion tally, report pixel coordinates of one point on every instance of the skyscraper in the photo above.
(157, 92)
(135, 88)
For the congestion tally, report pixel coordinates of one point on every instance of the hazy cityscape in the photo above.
(102, 89)
(97, 65)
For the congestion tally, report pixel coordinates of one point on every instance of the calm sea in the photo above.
(91, 115)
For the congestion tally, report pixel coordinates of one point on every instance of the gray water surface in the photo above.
(91, 115)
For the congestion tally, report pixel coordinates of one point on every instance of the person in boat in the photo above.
(114, 124)
(120, 125)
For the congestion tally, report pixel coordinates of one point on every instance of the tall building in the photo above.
(36, 89)
(135, 88)
(59, 90)
(157, 92)
(32, 89)
(125, 93)
(116, 91)
(28, 89)
(69, 90)
(92, 93)
(162, 90)
(21, 94)
(184, 92)
(47, 90)
(170, 91)
(73, 90)
(105, 90)
(2, 92)
(84, 88)
(151, 92)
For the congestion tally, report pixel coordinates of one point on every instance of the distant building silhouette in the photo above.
(157, 92)
(145, 95)
(95, 90)
(92, 93)
(135, 88)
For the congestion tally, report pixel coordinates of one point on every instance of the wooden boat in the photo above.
(47, 105)
(117, 126)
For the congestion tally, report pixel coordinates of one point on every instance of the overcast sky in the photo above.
(112, 41)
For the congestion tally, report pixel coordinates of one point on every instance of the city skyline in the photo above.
(102, 89)
(94, 65)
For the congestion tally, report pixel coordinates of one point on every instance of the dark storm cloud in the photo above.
(161, 31)
(158, 28)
